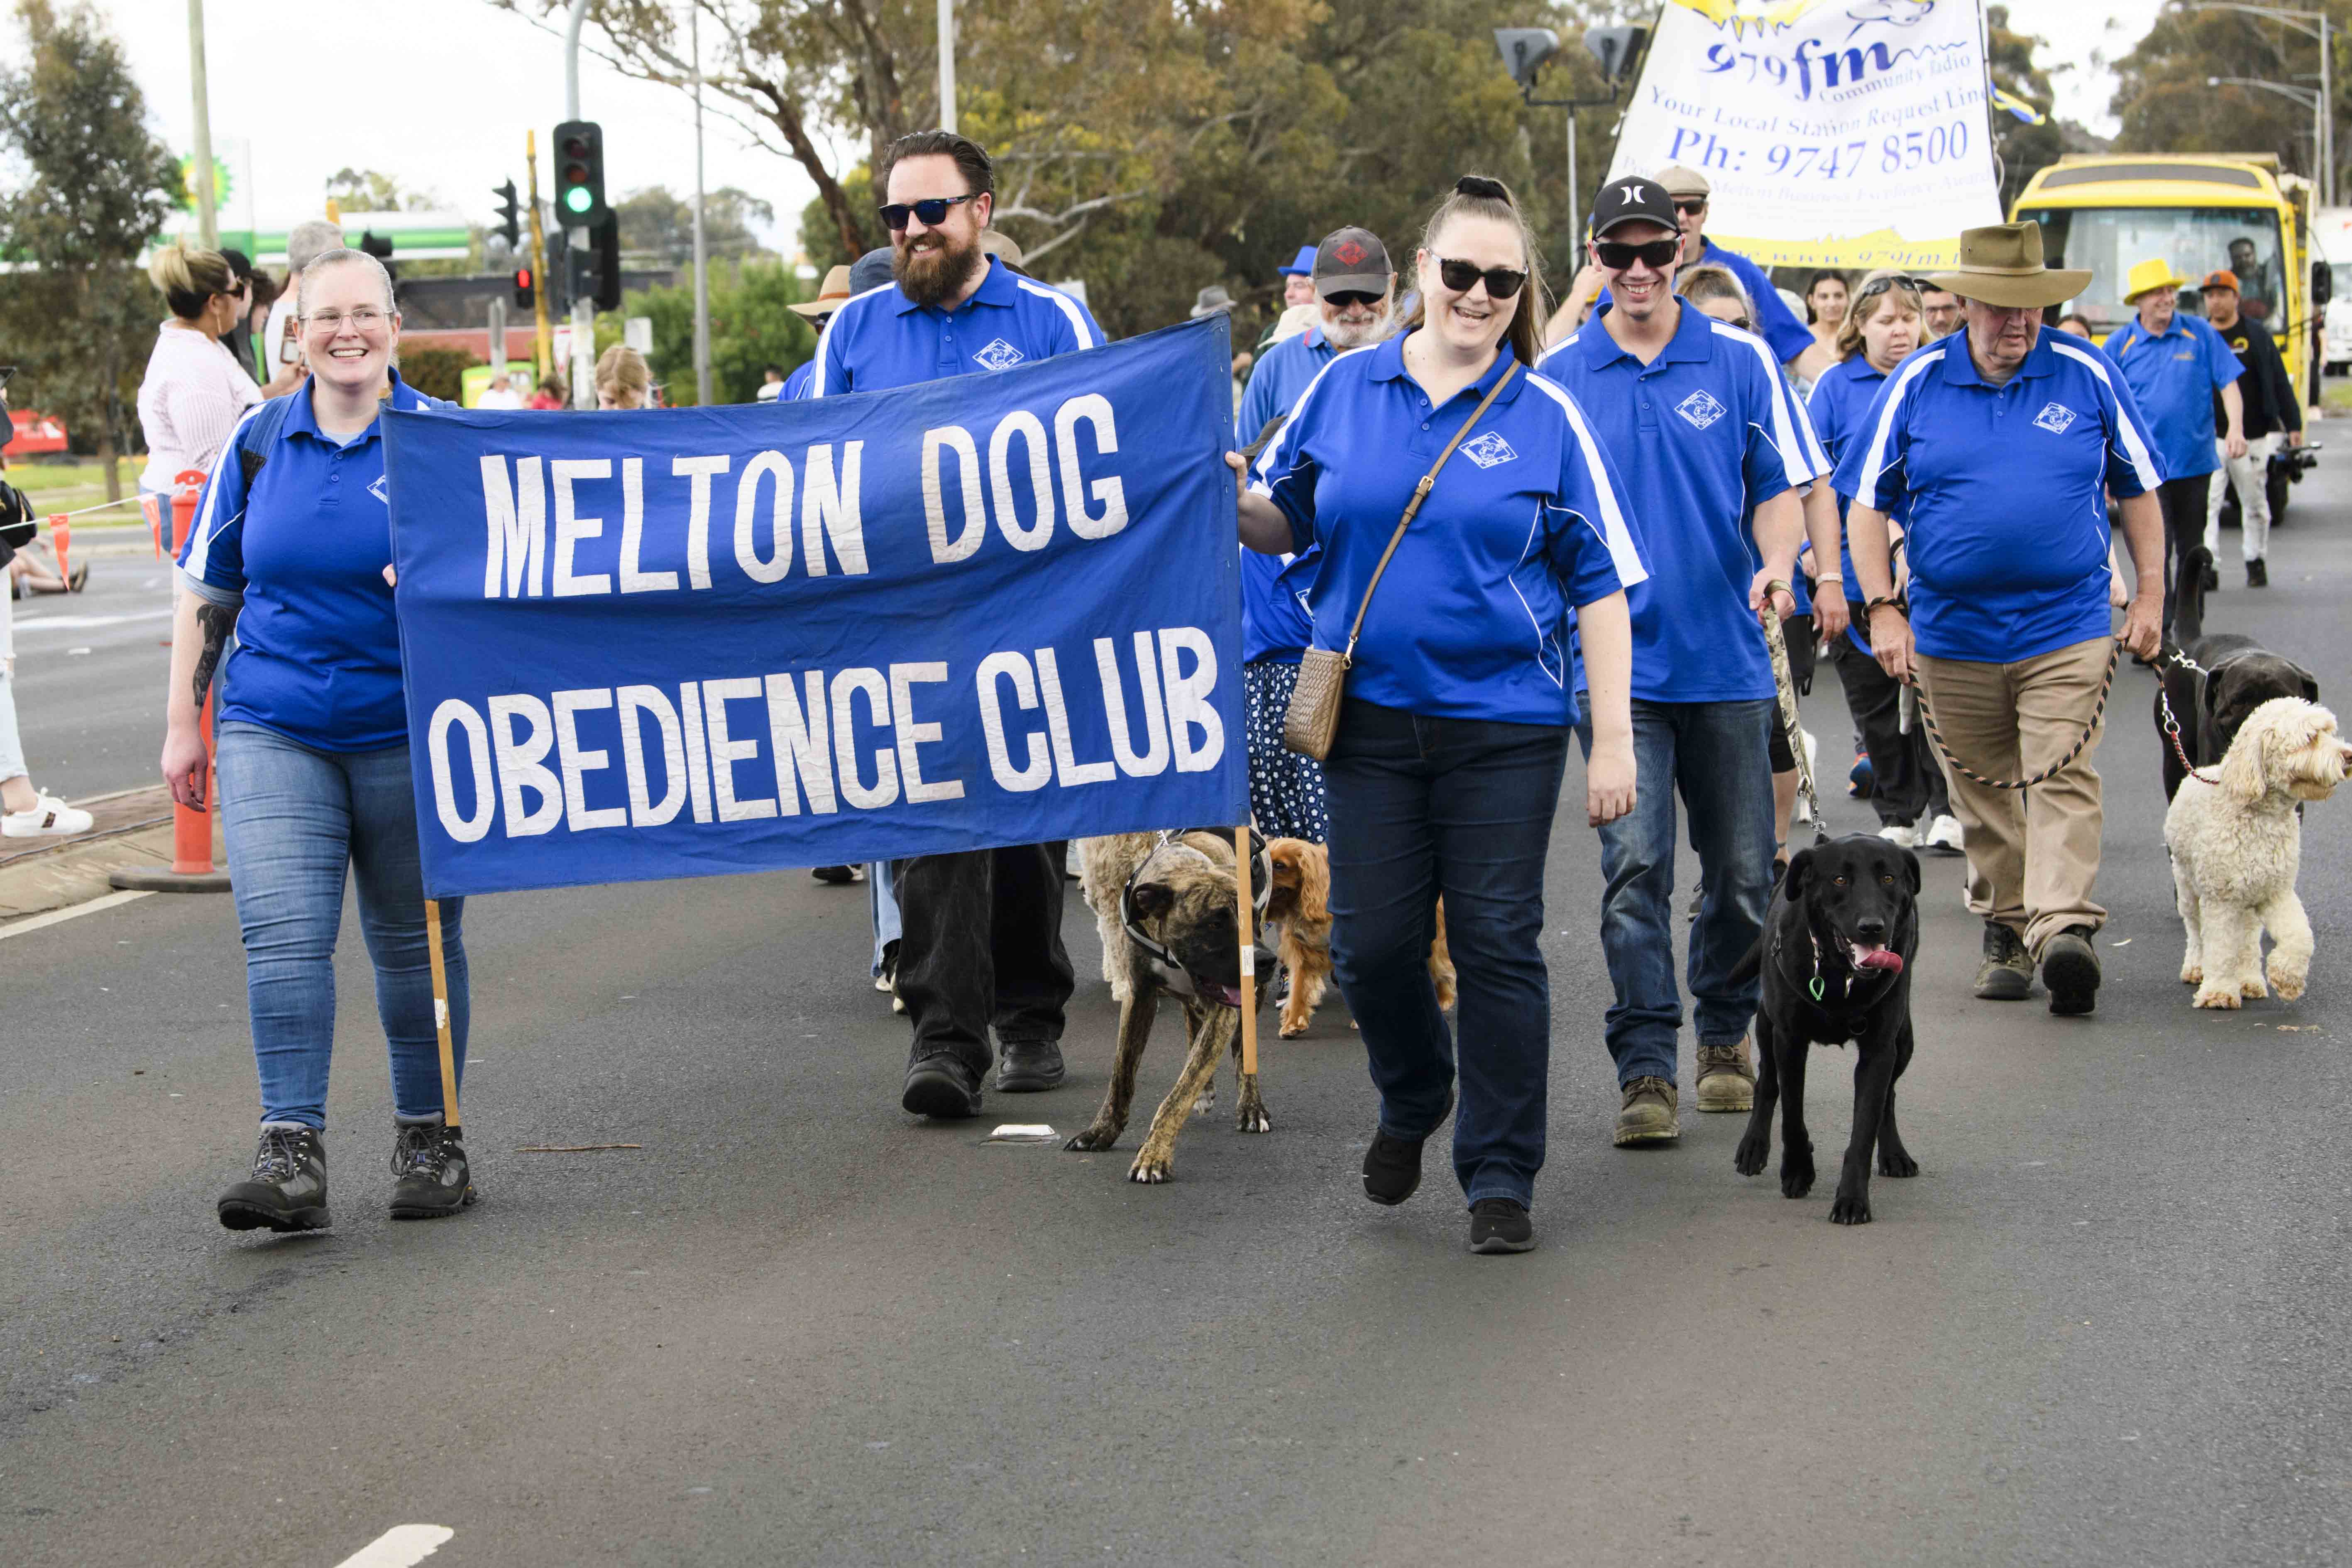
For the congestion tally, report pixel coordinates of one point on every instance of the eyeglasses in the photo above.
(363, 320)
(1347, 299)
(932, 210)
(1617, 256)
(1691, 207)
(1462, 277)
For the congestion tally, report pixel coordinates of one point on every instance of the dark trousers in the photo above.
(1461, 808)
(981, 944)
(1909, 786)
(2183, 504)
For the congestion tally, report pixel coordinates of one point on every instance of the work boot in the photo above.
(2258, 575)
(1648, 1114)
(287, 1189)
(1392, 1164)
(429, 1160)
(2070, 968)
(1501, 1225)
(2007, 973)
(1029, 1067)
(941, 1086)
(1726, 1079)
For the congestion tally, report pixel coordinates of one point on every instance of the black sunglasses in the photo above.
(1346, 297)
(1460, 276)
(1877, 286)
(932, 210)
(1693, 204)
(1616, 255)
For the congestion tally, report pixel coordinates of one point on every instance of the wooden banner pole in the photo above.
(441, 1015)
(1249, 951)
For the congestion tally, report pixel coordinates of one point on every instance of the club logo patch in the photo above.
(380, 491)
(1701, 409)
(2055, 417)
(1000, 356)
(1348, 252)
(1488, 450)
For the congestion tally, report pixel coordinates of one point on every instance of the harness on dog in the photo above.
(1164, 964)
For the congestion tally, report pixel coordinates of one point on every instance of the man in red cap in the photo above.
(2271, 412)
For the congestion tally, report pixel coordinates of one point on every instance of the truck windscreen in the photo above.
(2194, 240)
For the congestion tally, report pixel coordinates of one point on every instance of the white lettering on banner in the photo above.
(570, 527)
(1026, 425)
(1039, 771)
(798, 736)
(846, 685)
(830, 511)
(644, 810)
(1095, 409)
(726, 751)
(522, 765)
(1188, 698)
(1071, 771)
(697, 516)
(576, 764)
(518, 527)
(945, 551)
(697, 762)
(1154, 759)
(904, 678)
(633, 529)
(464, 829)
(780, 527)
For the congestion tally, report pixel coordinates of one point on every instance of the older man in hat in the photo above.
(2001, 443)
(2176, 364)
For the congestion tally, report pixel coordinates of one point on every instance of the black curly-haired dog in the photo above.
(2237, 675)
(1836, 956)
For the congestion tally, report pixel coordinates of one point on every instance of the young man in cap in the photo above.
(1298, 279)
(2174, 365)
(1711, 448)
(981, 942)
(1999, 445)
(2271, 411)
(1355, 289)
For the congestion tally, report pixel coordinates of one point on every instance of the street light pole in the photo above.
(2323, 108)
(701, 259)
(200, 172)
(947, 66)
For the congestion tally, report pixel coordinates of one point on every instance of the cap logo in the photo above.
(1630, 193)
(1348, 252)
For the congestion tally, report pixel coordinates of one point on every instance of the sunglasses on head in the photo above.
(1879, 285)
(932, 210)
(1501, 282)
(1687, 206)
(1347, 299)
(1616, 255)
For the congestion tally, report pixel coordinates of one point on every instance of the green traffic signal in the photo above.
(578, 198)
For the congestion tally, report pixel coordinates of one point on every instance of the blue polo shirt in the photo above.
(882, 339)
(316, 655)
(2007, 533)
(1775, 323)
(1524, 523)
(1274, 622)
(2174, 374)
(1840, 401)
(797, 385)
(1705, 433)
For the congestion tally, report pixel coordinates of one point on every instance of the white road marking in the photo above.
(35, 922)
(85, 623)
(400, 1546)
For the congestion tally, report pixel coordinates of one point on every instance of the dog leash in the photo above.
(2098, 711)
(1785, 689)
(2180, 660)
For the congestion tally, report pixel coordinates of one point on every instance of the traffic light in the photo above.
(509, 216)
(579, 173)
(596, 267)
(524, 289)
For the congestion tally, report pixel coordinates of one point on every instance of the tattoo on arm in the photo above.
(212, 624)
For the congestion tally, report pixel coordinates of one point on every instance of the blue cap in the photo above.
(1301, 265)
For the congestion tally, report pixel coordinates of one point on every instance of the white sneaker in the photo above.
(48, 817)
(1897, 834)
(1943, 833)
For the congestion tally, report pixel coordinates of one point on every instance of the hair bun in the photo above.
(1480, 185)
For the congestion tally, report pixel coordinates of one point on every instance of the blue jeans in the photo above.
(1718, 755)
(295, 819)
(1461, 808)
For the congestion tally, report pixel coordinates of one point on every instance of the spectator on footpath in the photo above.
(1453, 736)
(25, 811)
(1999, 445)
(1714, 453)
(499, 391)
(1907, 787)
(282, 338)
(287, 573)
(2272, 413)
(772, 377)
(1939, 309)
(1355, 286)
(194, 391)
(1825, 304)
(2176, 365)
(549, 395)
(622, 379)
(981, 942)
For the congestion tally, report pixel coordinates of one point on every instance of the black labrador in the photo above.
(2237, 676)
(1836, 955)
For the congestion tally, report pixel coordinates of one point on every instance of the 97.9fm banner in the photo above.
(996, 609)
(1832, 133)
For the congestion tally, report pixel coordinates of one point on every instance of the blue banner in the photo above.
(996, 609)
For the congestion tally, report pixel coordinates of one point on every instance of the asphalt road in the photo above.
(2110, 1322)
(90, 670)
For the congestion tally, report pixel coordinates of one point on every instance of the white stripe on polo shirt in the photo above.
(1875, 461)
(1794, 459)
(824, 338)
(1287, 435)
(2135, 439)
(1069, 307)
(1614, 536)
(200, 544)
(1534, 529)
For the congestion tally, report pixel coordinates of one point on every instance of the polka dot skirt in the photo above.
(1285, 789)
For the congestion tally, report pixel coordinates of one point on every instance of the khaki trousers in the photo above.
(2032, 854)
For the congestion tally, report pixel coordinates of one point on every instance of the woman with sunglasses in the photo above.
(291, 553)
(194, 389)
(1453, 734)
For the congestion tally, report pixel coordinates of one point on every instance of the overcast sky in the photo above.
(2076, 31)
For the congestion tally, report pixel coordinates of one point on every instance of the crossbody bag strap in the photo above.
(1420, 493)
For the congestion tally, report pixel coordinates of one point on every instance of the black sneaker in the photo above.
(1392, 1164)
(1498, 1225)
(2007, 973)
(434, 1179)
(2258, 574)
(287, 1189)
(834, 876)
(2070, 967)
(1030, 1067)
(943, 1086)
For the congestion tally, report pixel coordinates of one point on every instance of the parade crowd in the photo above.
(1914, 476)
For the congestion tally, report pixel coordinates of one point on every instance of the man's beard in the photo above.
(1356, 334)
(936, 277)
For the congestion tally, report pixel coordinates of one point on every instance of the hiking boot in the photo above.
(1501, 1225)
(2258, 574)
(1392, 1164)
(1029, 1067)
(941, 1086)
(429, 1160)
(2070, 968)
(287, 1189)
(1727, 1079)
(1648, 1114)
(2007, 973)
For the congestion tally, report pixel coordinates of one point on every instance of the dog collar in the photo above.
(1849, 993)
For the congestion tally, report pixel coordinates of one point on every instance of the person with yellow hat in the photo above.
(2176, 364)
(2000, 446)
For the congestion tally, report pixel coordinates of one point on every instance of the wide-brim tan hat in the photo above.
(2001, 264)
(829, 296)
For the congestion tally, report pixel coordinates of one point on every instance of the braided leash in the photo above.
(1785, 689)
(2172, 723)
(2106, 683)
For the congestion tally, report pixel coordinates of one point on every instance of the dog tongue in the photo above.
(1885, 958)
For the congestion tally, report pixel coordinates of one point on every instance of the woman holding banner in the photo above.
(291, 550)
(1446, 768)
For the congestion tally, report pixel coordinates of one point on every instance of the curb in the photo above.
(134, 834)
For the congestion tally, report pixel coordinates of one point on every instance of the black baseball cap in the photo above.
(1352, 261)
(1633, 200)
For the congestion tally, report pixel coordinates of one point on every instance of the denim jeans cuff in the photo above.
(287, 1124)
(1008, 1040)
(1483, 1190)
